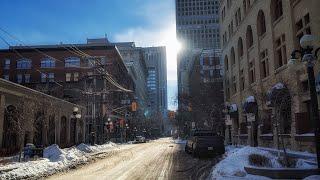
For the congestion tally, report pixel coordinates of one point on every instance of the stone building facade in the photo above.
(29, 116)
(267, 100)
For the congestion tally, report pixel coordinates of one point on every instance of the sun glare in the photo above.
(173, 47)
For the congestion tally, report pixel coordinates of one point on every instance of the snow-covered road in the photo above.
(160, 159)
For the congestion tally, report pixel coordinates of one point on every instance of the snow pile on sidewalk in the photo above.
(237, 158)
(55, 160)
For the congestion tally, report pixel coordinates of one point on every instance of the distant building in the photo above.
(197, 24)
(147, 67)
(257, 40)
(204, 99)
(156, 61)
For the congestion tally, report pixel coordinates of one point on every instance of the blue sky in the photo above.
(147, 22)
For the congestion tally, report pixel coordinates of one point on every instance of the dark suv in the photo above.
(205, 142)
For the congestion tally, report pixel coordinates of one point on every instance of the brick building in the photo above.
(268, 102)
(72, 72)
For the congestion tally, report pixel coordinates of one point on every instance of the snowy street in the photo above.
(160, 159)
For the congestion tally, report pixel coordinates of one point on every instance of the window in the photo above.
(281, 52)
(233, 57)
(240, 48)
(234, 84)
(75, 76)
(302, 28)
(264, 64)
(43, 77)
(242, 80)
(261, 23)
(6, 77)
(68, 77)
(72, 62)
(245, 6)
(6, 64)
(48, 63)
(19, 78)
(252, 77)
(226, 63)
(51, 77)
(238, 17)
(276, 9)
(24, 64)
(27, 78)
(249, 37)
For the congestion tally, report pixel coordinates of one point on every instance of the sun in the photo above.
(173, 46)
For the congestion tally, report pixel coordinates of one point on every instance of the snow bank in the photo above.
(234, 163)
(55, 160)
(237, 158)
(314, 177)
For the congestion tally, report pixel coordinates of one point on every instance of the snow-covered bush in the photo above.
(259, 160)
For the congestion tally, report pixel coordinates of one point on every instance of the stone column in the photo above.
(57, 128)
(2, 108)
(68, 130)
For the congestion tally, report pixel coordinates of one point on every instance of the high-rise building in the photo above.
(156, 62)
(197, 28)
(197, 23)
(268, 100)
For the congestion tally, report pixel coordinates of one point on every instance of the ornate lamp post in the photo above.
(76, 115)
(306, 52)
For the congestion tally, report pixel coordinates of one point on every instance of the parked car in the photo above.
(140, 139)
(203, 142)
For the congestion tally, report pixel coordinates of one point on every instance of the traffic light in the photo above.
(133, 106)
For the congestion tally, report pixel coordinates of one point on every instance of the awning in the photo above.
(250, 105)
(276, 93)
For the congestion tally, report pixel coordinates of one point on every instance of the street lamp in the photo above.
(309, 57)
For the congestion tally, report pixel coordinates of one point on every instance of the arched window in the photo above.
(276, 9)
(72, 62)
(48, 63)
(249, 37)
(233, 56)
(245, 6)
(240, 47)
(24, 64)
(226, 63)
(261, 23)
